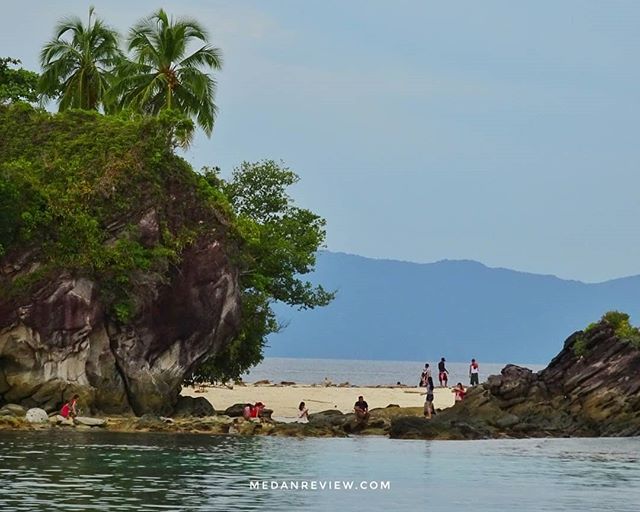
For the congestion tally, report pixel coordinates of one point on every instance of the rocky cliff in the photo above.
(115, 277)
(591, 388)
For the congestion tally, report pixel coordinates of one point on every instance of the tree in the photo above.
(163, 75)
(78, 69)
(17, 84)
(278, 245)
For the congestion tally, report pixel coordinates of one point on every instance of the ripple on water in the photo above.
(106, 471)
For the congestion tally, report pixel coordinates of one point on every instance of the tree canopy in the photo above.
(79, 62)
(163, 75)
(84, 67)
(17, 84)
(279, 242)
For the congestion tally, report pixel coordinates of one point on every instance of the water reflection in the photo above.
(81, 471)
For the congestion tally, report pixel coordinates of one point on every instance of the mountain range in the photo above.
(459, 309)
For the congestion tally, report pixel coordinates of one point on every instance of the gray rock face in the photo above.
(60, 340)
(36, 415)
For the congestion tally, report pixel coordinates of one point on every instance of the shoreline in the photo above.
(330, 408)
(283, 399)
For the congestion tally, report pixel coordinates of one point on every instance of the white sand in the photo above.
(284, 400)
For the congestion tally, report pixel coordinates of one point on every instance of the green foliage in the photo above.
(162, 75)
(280, 240)
(17, 84)
(79, 62)
(616, 319)
(580, 347)
(278, 243)
(621, 325)
(84, 68)
(66, 178)
(74, 184)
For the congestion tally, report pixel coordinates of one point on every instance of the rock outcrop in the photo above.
(126, 282)
(591, 388)
(59, 341)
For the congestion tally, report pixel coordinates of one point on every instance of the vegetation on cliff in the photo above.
(616, 320)
(75, 186)
(68, 181)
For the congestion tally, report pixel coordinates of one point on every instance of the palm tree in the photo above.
(77, 70)
(163, 76)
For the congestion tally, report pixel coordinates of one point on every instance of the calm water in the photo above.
(122, 472)
(363, 373)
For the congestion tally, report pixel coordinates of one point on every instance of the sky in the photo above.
(499, 131)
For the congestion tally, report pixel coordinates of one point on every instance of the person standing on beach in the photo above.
(474, 373)
(443, 373)
(428, 403)
(425, 378)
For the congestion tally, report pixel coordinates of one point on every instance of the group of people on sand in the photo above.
(426, 381)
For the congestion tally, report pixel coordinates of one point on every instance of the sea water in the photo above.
(84, 471)
(363, 372)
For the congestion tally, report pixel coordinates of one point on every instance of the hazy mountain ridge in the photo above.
(459, 309)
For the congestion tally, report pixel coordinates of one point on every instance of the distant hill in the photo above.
(397, 310)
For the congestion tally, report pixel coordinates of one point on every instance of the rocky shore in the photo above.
(324, 424)
(590, 389)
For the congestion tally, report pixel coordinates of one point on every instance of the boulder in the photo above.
(61, 420)
(13, 410)
(235, 411)
(90, 422)
(36, 415)
(190, 406)
(330, 417)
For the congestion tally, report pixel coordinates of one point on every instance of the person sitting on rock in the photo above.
(256, 412)
(303, 412)
(361, 410)
(69, 408)
(459, 391)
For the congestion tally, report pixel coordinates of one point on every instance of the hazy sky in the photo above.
(500, 131)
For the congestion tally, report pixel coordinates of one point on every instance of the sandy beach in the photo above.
(284, 400)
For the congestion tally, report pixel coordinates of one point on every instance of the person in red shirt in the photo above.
(459, 392)
(69, 408)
